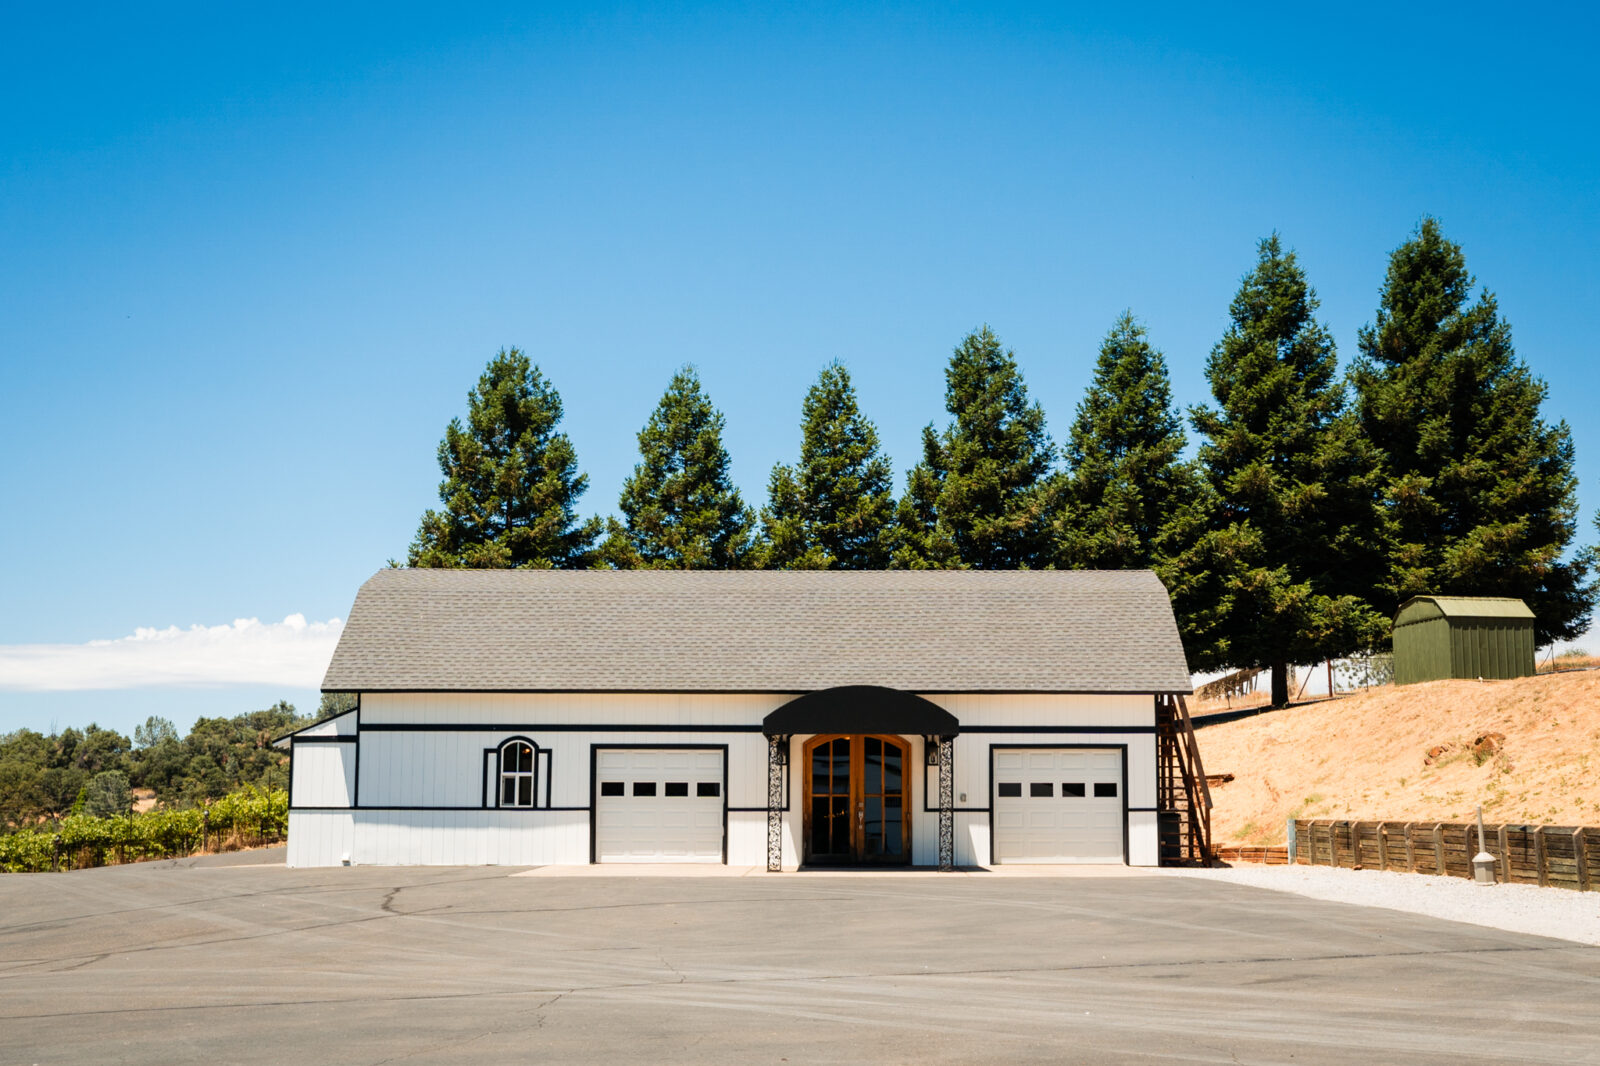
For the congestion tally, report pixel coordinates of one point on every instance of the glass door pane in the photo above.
(830, 800)
(883, 806)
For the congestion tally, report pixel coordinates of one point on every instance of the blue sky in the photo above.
(253, 262)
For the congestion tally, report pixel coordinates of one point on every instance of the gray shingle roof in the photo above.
(759, 631)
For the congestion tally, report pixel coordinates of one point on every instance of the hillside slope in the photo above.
(1367, 756)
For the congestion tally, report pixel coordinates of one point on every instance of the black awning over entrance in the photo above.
(860, 709)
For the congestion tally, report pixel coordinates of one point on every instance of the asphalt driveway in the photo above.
(200, 962)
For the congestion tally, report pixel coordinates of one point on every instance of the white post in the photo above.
(1483, 862)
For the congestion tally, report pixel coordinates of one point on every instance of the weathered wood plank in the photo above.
(1538, 842)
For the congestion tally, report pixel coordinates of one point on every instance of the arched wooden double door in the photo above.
(857, 799)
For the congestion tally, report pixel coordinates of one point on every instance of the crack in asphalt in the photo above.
(31, 966)
(53, 923)
(387, 904)
(809, 978)
(459, 1042)
(141, 949)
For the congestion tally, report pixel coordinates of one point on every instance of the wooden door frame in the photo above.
(857, 779)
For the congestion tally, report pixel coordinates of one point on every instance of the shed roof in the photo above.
(759, 631)
(1422, 608)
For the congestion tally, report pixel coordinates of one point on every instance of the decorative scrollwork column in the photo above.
(777, 750)
(947, 816)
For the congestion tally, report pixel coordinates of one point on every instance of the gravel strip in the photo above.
(1554, 912)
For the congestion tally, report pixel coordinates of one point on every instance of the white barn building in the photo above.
(775, 718)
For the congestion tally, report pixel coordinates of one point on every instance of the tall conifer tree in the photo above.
(680, 507)
(1128, 499)
(978, 498)
(1482, 488)
(921, 541)
(511, 481)
(836, 509)
(1299, 486)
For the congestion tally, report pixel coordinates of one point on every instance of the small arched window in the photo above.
(516, 774)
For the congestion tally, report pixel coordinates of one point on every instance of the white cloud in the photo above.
(249, 652)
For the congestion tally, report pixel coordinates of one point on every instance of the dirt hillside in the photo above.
(1420, 752)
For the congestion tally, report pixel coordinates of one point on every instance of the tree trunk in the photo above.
(1280, 684)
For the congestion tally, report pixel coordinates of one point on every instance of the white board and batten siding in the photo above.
(324, 775)
(402, 768)
(324, 761)
(1063, 721)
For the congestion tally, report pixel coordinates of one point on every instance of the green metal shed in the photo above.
(1437, 637)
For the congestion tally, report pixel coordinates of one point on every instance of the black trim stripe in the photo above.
(1058, 729)
(735, 727)
(313, 725)
(478, 810)
(761, 691)
(355, 790)
(348, 739)
(557, 727)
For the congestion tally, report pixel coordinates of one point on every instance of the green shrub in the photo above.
(250, 815)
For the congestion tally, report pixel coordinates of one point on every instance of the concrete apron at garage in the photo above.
(661, 869)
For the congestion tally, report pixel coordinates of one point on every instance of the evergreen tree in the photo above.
(511, 481)
(921, 542)
(156, 730)
(1482, 488)
(1128, 500)
(1299, 518)
(836, 510)
(1126, 478)
(679, 505)
(108, 793)
(979, 496)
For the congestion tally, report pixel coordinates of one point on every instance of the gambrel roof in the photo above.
(929, 631)
(1422, 608)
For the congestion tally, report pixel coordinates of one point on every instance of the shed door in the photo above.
(1058, 805)
(658, 805)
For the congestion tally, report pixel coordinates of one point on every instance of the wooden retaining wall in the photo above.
(1557, 855)
(1270, 855)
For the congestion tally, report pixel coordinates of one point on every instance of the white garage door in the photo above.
(1058, 805)
(658, 805)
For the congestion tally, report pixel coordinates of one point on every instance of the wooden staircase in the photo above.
(1183, 800)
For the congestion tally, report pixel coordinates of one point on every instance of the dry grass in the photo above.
(1569, 662)
(1363, 756)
